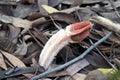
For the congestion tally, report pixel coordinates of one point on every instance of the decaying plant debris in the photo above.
(59, 39)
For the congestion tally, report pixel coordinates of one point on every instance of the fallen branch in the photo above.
(74, 60)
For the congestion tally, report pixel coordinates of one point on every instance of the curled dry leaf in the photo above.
(22, 50)
(2, 62)
(73, 33)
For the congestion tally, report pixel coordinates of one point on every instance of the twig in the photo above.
(72, 61)
(55, 23)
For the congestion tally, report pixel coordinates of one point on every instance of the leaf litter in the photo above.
(27, 26)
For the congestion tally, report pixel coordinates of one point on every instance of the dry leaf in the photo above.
(14, 60)
(54, 2)
(60, 16)
(7, 45)
(22, 23)
(24, 1)
(23, 10)
(22, 50)
(77, 67)
(40, 36)
(79, 76)
(77, 3)
(45, 79)
(49, 9)
(14, 32)
(17, 22)
(2, 62)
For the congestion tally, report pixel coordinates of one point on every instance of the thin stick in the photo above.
(55, 23)
(72, 61)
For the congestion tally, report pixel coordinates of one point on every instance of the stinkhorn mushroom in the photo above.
(73, 33)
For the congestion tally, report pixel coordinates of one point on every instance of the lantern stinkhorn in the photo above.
(73, 33)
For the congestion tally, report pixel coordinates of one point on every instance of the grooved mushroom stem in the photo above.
(73, 33)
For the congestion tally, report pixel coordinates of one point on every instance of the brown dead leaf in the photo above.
(45, 79)
(54, 2)
(2, 62)
(77, 3)
(60, 16)
(7, 45)
(77, 67)
(58, 74)
(31, 1)
(17, 22)
(2, 33)
(23, 11)
(36, 15)
(95, 75)
(26, 1)
(42, 38)
(69, 2)
(14, 60)
(14, 32)
(22, 23)
(96, 60)
(114, 38)
(79, 76)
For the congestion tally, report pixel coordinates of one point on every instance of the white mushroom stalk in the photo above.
(73, 33)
